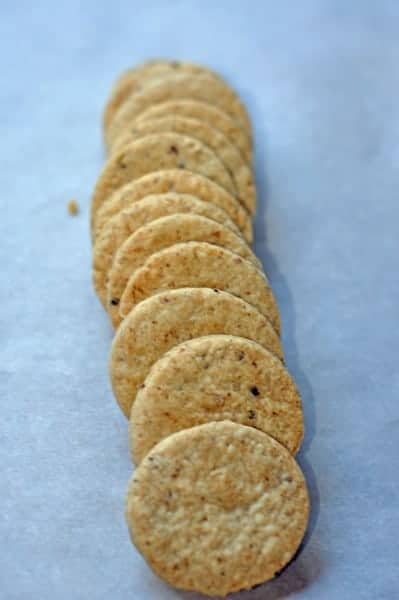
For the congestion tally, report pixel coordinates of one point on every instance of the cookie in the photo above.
(214, 378)
(199, 264)
(127, 221)
(165, 320)
(181, 182)
(207, 113)
(194, 87)
(217, 508)
(229, 154)
(159, 234)
(154, 153)
(134, 80)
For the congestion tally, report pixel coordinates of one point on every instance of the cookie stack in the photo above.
(217, 502)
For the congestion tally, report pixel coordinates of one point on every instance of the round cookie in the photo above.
(173, 180)
(214, 378)
(217, 508)
(207, 113)
(159, 234)
(230, 156)
(200, 264)
(154, 153)
(195, 87)
(135, 79)
(127, 221)
(165, 320)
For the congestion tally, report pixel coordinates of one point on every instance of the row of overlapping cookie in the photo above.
(218, 502)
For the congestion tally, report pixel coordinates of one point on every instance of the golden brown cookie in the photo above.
(207, 113)
(154, 153)
(195, 87)
(159, 234)
(181, 182)
(217, 508)
(165, 320)
(127, 221)
(228, 153)
(135, 79)
(214, 378)
(200, 264)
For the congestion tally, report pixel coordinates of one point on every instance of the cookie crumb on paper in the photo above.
(73, 208)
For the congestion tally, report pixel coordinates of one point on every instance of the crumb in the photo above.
(73, 207)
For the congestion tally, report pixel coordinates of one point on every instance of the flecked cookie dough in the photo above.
(159, 234)
(154, 153)
(127, 221)
(207, 113)
(200, 264)
(229, 154)
(193, 87)
(214, 378)
(165, 320)
(217, 508)
(173, 180)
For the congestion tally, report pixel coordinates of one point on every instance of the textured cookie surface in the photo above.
(159, 234)
(194, 87)
(217, 508)
(214, 378)
(173, 180)
(156, 152)
(230, 156)
(135, 79)
(127, 221)
(165, 320)
(199, 264)
(206, 112)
